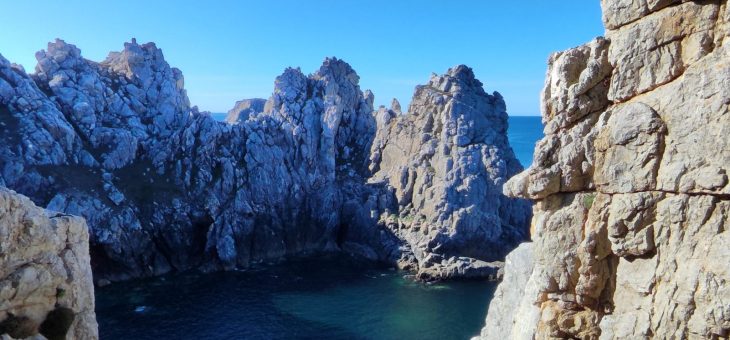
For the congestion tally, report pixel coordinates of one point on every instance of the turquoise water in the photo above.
(333, 297)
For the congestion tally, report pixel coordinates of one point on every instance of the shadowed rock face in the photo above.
(45, 276)
(164, 187)
(630, 223)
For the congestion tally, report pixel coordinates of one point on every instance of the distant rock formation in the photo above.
(45, 276)
(244, 109)
(630, 227)
(164, 187)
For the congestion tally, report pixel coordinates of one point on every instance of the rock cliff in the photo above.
(446, 160)
(45, 276)
(164, 187)
(630, 231)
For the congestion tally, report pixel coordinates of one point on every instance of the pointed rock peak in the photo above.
(135, 59)
(59, 46)
(58, 54)
(461, 72)
(457, 79)
(289, 85)
(395, 106)
(59, 51)
(337, 69)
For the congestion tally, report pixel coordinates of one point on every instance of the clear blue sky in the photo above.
(229, 50)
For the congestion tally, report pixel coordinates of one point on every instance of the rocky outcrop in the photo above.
(446, 160)
(630, 227)
(45, 276)
(164, 187)
(244, 109)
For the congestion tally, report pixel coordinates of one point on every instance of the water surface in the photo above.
(523, 133)
(333, 297)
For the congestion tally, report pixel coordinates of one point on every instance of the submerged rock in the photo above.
(164, 187)
(630, 229)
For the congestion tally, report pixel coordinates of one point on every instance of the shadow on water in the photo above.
(331, 297)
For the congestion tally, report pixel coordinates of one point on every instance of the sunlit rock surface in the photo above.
(45, 277)
(630, 226)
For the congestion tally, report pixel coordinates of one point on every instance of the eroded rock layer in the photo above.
(164, 187)
(45, 276)
(630, 232)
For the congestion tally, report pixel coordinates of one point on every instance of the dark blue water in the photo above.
(333, 297)
(524, 132)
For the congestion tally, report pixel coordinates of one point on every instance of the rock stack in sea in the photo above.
(631, 238)
(45, 277)
(164, 187)
(446, 159)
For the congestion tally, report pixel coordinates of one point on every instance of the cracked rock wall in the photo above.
(44, 272)
(630, 231)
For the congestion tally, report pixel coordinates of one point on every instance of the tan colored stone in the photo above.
(44, 263)
(631, 228)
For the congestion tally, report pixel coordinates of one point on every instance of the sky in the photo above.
(231, 50)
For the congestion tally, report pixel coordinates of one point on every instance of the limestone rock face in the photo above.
(508, 319)
(446, 160)
(245, 108)
(630, 228)
(44, 270)
(164, 187)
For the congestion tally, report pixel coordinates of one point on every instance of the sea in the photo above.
(322, 297)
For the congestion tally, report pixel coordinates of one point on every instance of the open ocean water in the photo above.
(327, 297)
